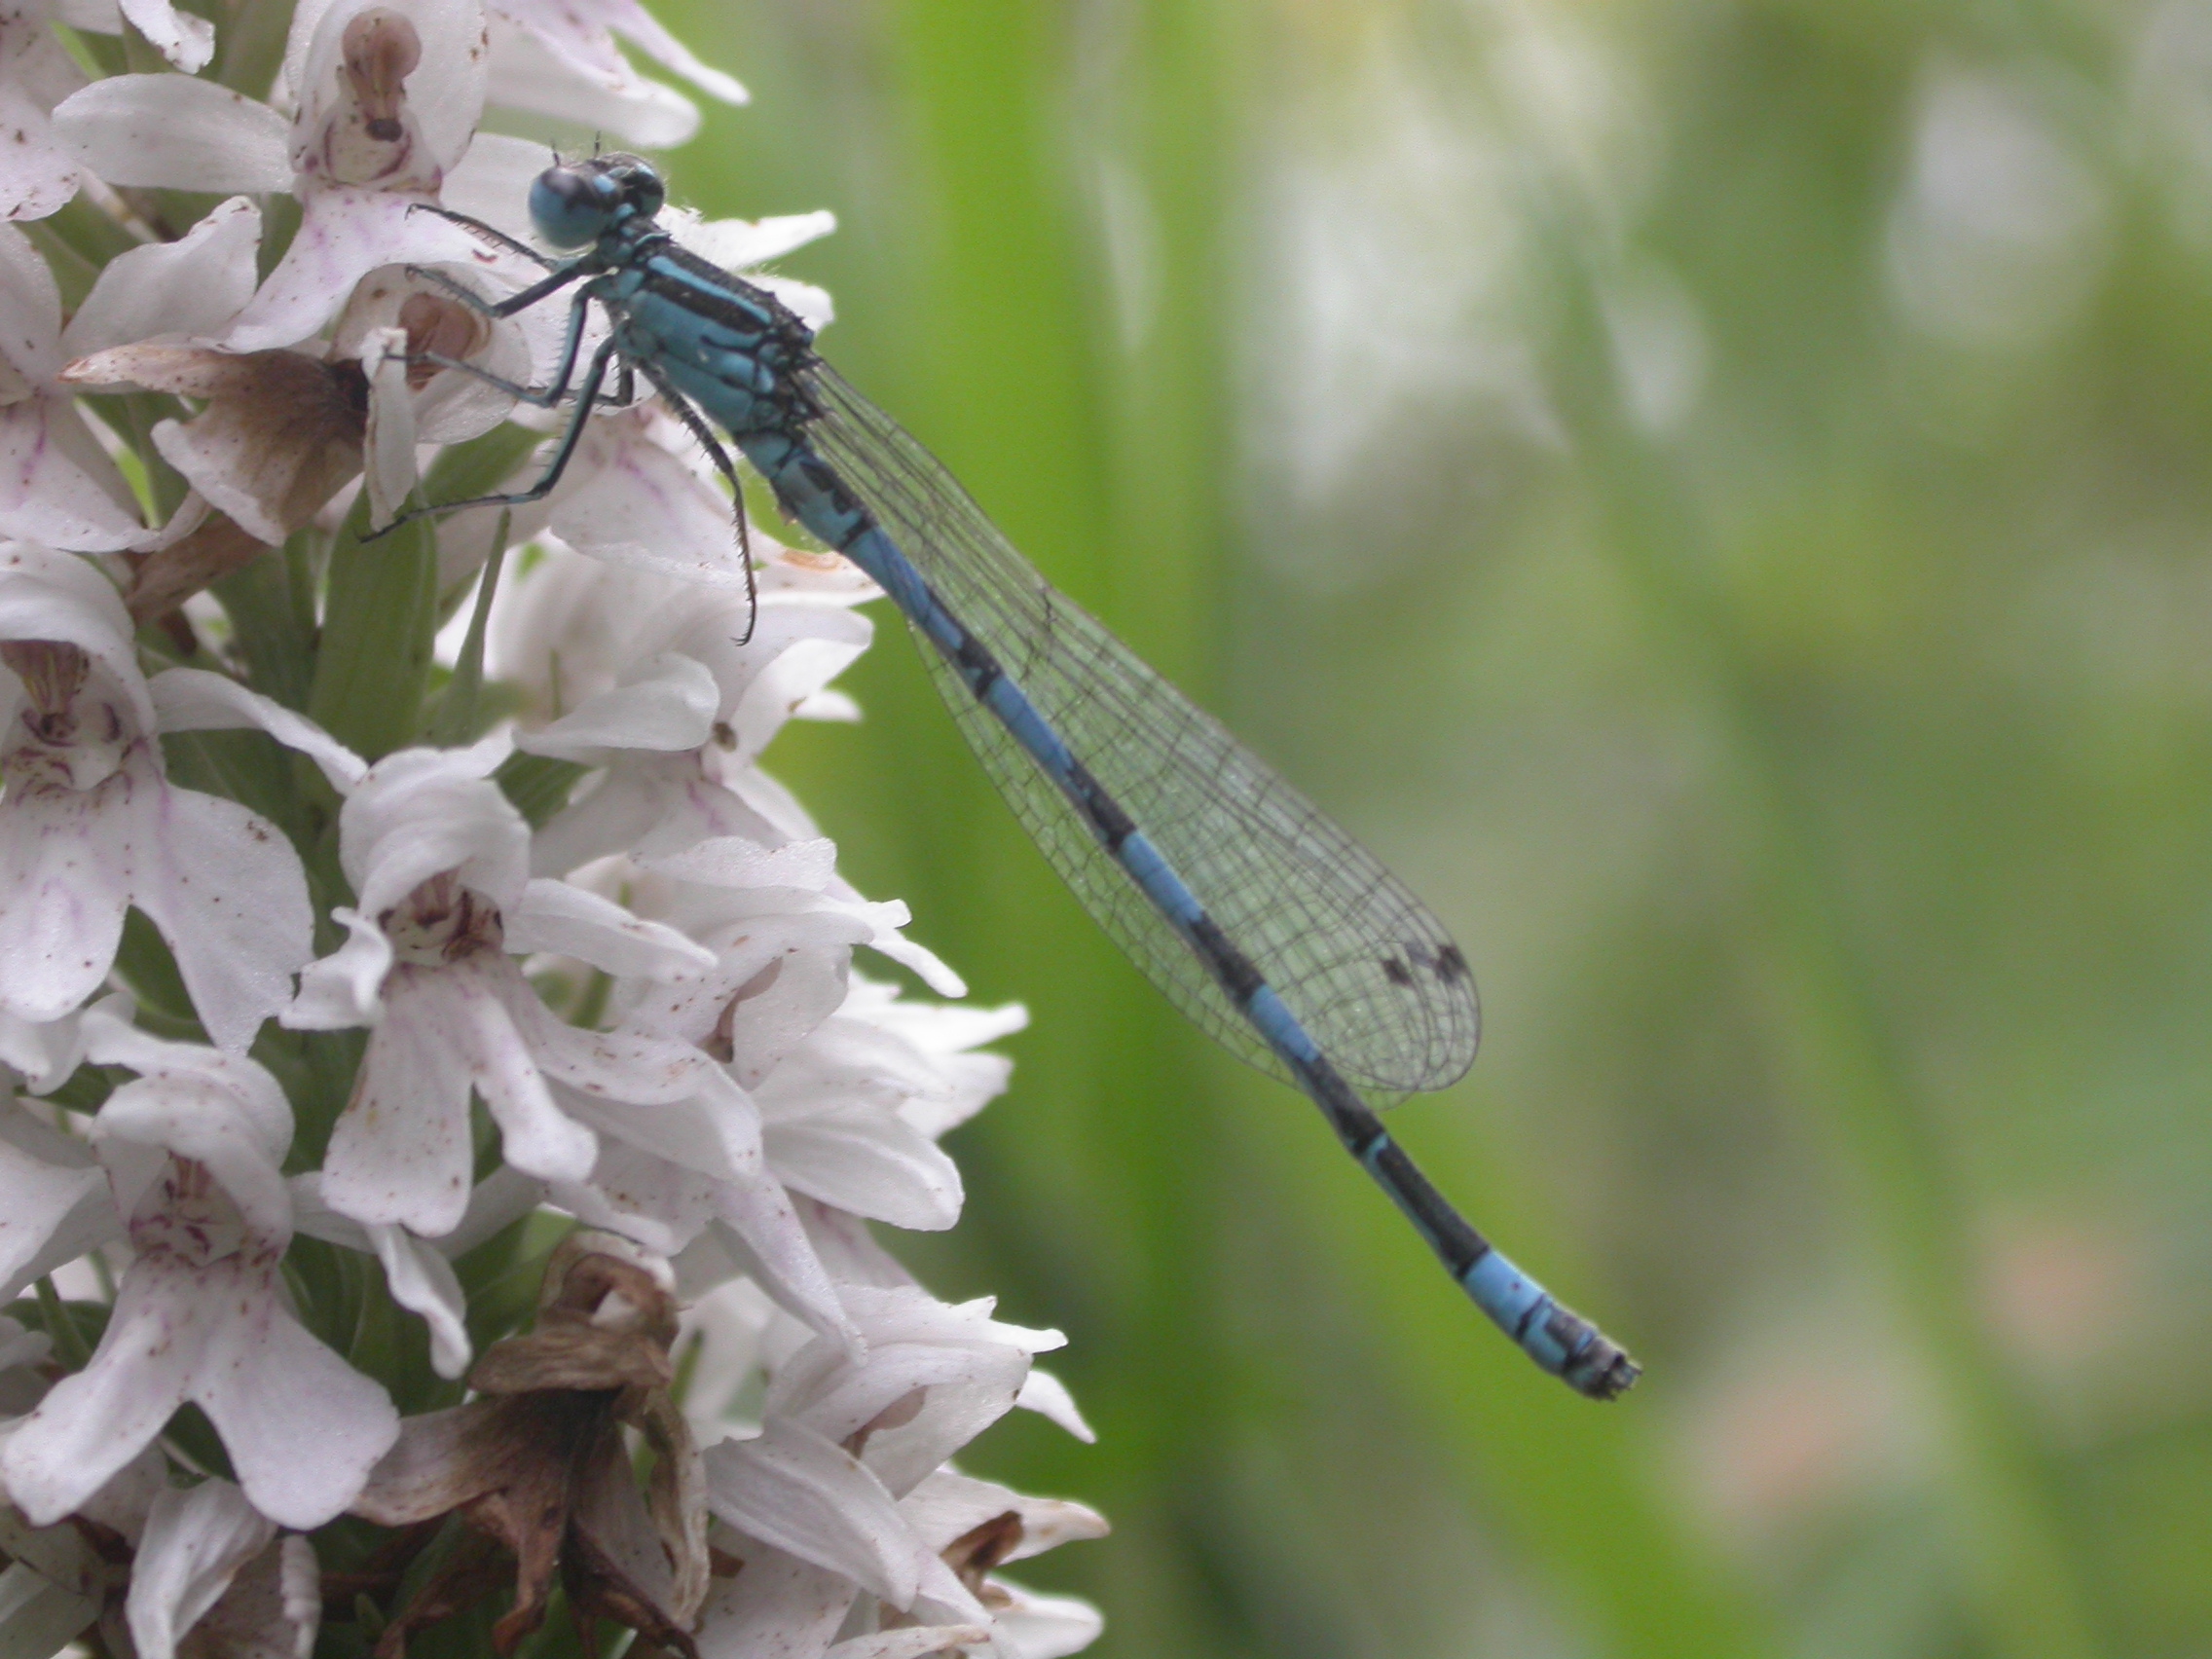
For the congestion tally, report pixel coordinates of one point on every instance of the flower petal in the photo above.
(762, 1230)
(192, 699)
(423, 1282)
(810, 1498)
(303, 1428)
(186, 40)
(54, 1201)
(714, 1135)
(912, 1642)
(571, 921)
(400, 1153)
(777, 1607)
(92, 1424)
(1038, 1626)
(527, 74)
(636, 506)
(345, 232)
(272, 1609)
(1048, 1396)
(41, 175)
(193, 286)
(196, 1540)
(738, 244)
(491, 183)
(661, 1203)
(346, 987)
(866, 1161)
(389, 448)
(30, 313)
(443, 94)
(535, 1136)
(249, 1094)
(42, 1054)
(420, 811)
(948, 1505)
(669, 704)
(439, 1460)
(56, 485)
(634, 23)
(64, 881)
(225, 890)
(178, 132)
(192, 1117)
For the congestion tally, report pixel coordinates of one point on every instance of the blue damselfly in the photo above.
(1260, 918)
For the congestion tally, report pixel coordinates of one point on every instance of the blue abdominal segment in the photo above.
(1253, 913)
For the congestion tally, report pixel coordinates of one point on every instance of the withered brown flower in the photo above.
(539, 1466)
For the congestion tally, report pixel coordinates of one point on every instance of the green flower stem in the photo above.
(456, 719)
(60, 1325)
(539, 785)
(249, 46)
(263, 602)
(74, 269)
(2023, 1572)
(381, 618)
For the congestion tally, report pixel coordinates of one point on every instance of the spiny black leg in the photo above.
(544, 288)
(491, 234)
(542, 399)
(699, 430)
(595, 372)
(551, 397)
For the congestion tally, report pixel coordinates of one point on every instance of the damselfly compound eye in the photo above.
(570, 207)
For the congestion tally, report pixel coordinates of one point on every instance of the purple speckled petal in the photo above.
(345, 232)
(779, 1608)
(302, 1426)
(92, 1424)
(186, 40)
(41, 175)
(226, 889)
(64, 882)
(57, 484)
(400, 1153)
(196, 1540)
(537, 1136)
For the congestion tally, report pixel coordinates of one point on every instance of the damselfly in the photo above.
(1257, 916)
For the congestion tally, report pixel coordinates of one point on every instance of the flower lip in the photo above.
(573, 204)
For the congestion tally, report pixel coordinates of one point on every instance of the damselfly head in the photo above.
(573, 204)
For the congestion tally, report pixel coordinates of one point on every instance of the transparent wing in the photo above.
(1369, 972)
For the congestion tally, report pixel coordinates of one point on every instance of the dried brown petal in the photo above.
(976, 1552)
(539, 1467)
(174, 574)
(280, 433)
(569, 1357)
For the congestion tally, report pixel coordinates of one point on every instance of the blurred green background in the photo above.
(1716, 495)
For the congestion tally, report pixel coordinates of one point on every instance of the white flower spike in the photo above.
(90, 824)
(193, 1150)
(564, 976)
